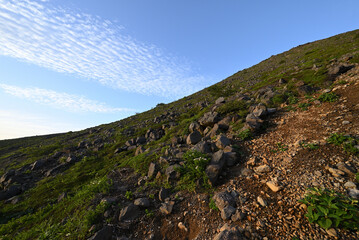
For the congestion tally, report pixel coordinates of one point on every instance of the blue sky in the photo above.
(67, 65)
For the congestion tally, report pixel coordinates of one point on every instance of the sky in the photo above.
(68, 65)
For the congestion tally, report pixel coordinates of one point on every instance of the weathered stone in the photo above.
(139, 150)
(345, 168)
(219, 158)
(273, 186)
(336, 172)
(227, 212)
(194, 138)
(261, 201)
(152, 170)
(142, 202)
(209, 119)
(129, 213)
(229, 233)
(350, 184)
(182, 227)
(222, 141)
(354, 193)
(238, 215)
(231, 158)
(214, 131)
(224, 199)
(253, 122)
(164, 193)
(171, 172)
(37, 165)
(13, 190)
(7, 176)
(220, 100)
(305, 89)
(130, 142)
(339, 68)
(167, 207)
(141, 140)
(106, 233)
(203, 147)
(213, 172)
(262, 169)
(260, 110)
(194, 126)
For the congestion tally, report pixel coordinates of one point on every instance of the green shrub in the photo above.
(245, 135)
(193, 171)
(348, 143)
(330, 209)
(212, 205)
(278, 99)
(328, 97)
(292, 99)
(233, 106)
(311, 146)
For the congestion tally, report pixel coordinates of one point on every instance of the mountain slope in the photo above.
(139, 178)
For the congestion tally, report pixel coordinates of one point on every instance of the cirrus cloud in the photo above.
(90, 47)
(69, 102)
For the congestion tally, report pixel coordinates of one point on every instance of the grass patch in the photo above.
(328, 97)
(245, 135)
(193, 173)
(348, 143)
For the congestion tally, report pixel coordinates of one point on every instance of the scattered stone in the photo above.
(231, 158)
(142, 202)
(224, 199)
(227, 212)
(171, 172)
(260, 110)
(129, 213)
(222, 141)
(194, 126)
(229, 233)
(262, 169)
(164, 193)
(203, 147)
(345, 122)
(332, 232)
(220, 100)
(273, 186)
(209, 119)
(194, 138)
(152, 170)
(253, 122)
(261, 201)
(167, 207)
(139, 150)
(219, 158)
(182, 227)
(105, 233)
(213, 172)
(354, 193)
(336, 172)
(345, 168)
(238, 216)
(350, 184)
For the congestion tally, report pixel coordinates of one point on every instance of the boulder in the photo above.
(214, 131)
(167, 207)
(203, 147)
(209, 119)
(194, 138)
(213, 172)
(224, 199)
(339, 68)
(253, 122)
(220, 100)
(260, 110)
(129, 213)
(164, 193)
(139, 150)
(227, 212)
(13, 190)
(142, 202)
(222, 141)
(219, 158)
(105, 233)
(194, 126)
(171, 172)
(231, 158)
(141, 140)
(152, 170)
(229, 233)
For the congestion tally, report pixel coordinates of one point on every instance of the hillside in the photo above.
(237, 160)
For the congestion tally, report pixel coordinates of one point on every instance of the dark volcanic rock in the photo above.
(129, 213)
(105, 233)
(209, 119)
(194, 138)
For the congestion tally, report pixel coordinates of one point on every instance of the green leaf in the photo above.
(325, 223)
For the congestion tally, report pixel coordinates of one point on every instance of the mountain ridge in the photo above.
(178, 162)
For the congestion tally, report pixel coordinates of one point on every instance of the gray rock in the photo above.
(129, 213)
(222, 142)
(231, 158)
(354, 193)
(260, 110)
(238, 216)
(194, 126)
(224, 199)
(209, 119)
(214, 131)
(37, 165)
(305, 89)
(171, 172)
(105, 233)
(229, 233)
(262, 169)
(261, 201)
(220, 100)
(219, 158)
(141, 140)
(213, 172)
(142, 202)
(152, 170)
(194, 138)
(164, 193)
(345, 168)
(227, 212)
(339, 68)
(203, 147)
(253, 122)
(139, 150)
(167, 207)
(13, 190)
(7, 176)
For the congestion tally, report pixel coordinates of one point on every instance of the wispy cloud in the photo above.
(88, 46)
(69, 102)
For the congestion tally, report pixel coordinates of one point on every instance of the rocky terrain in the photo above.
(239, 160)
